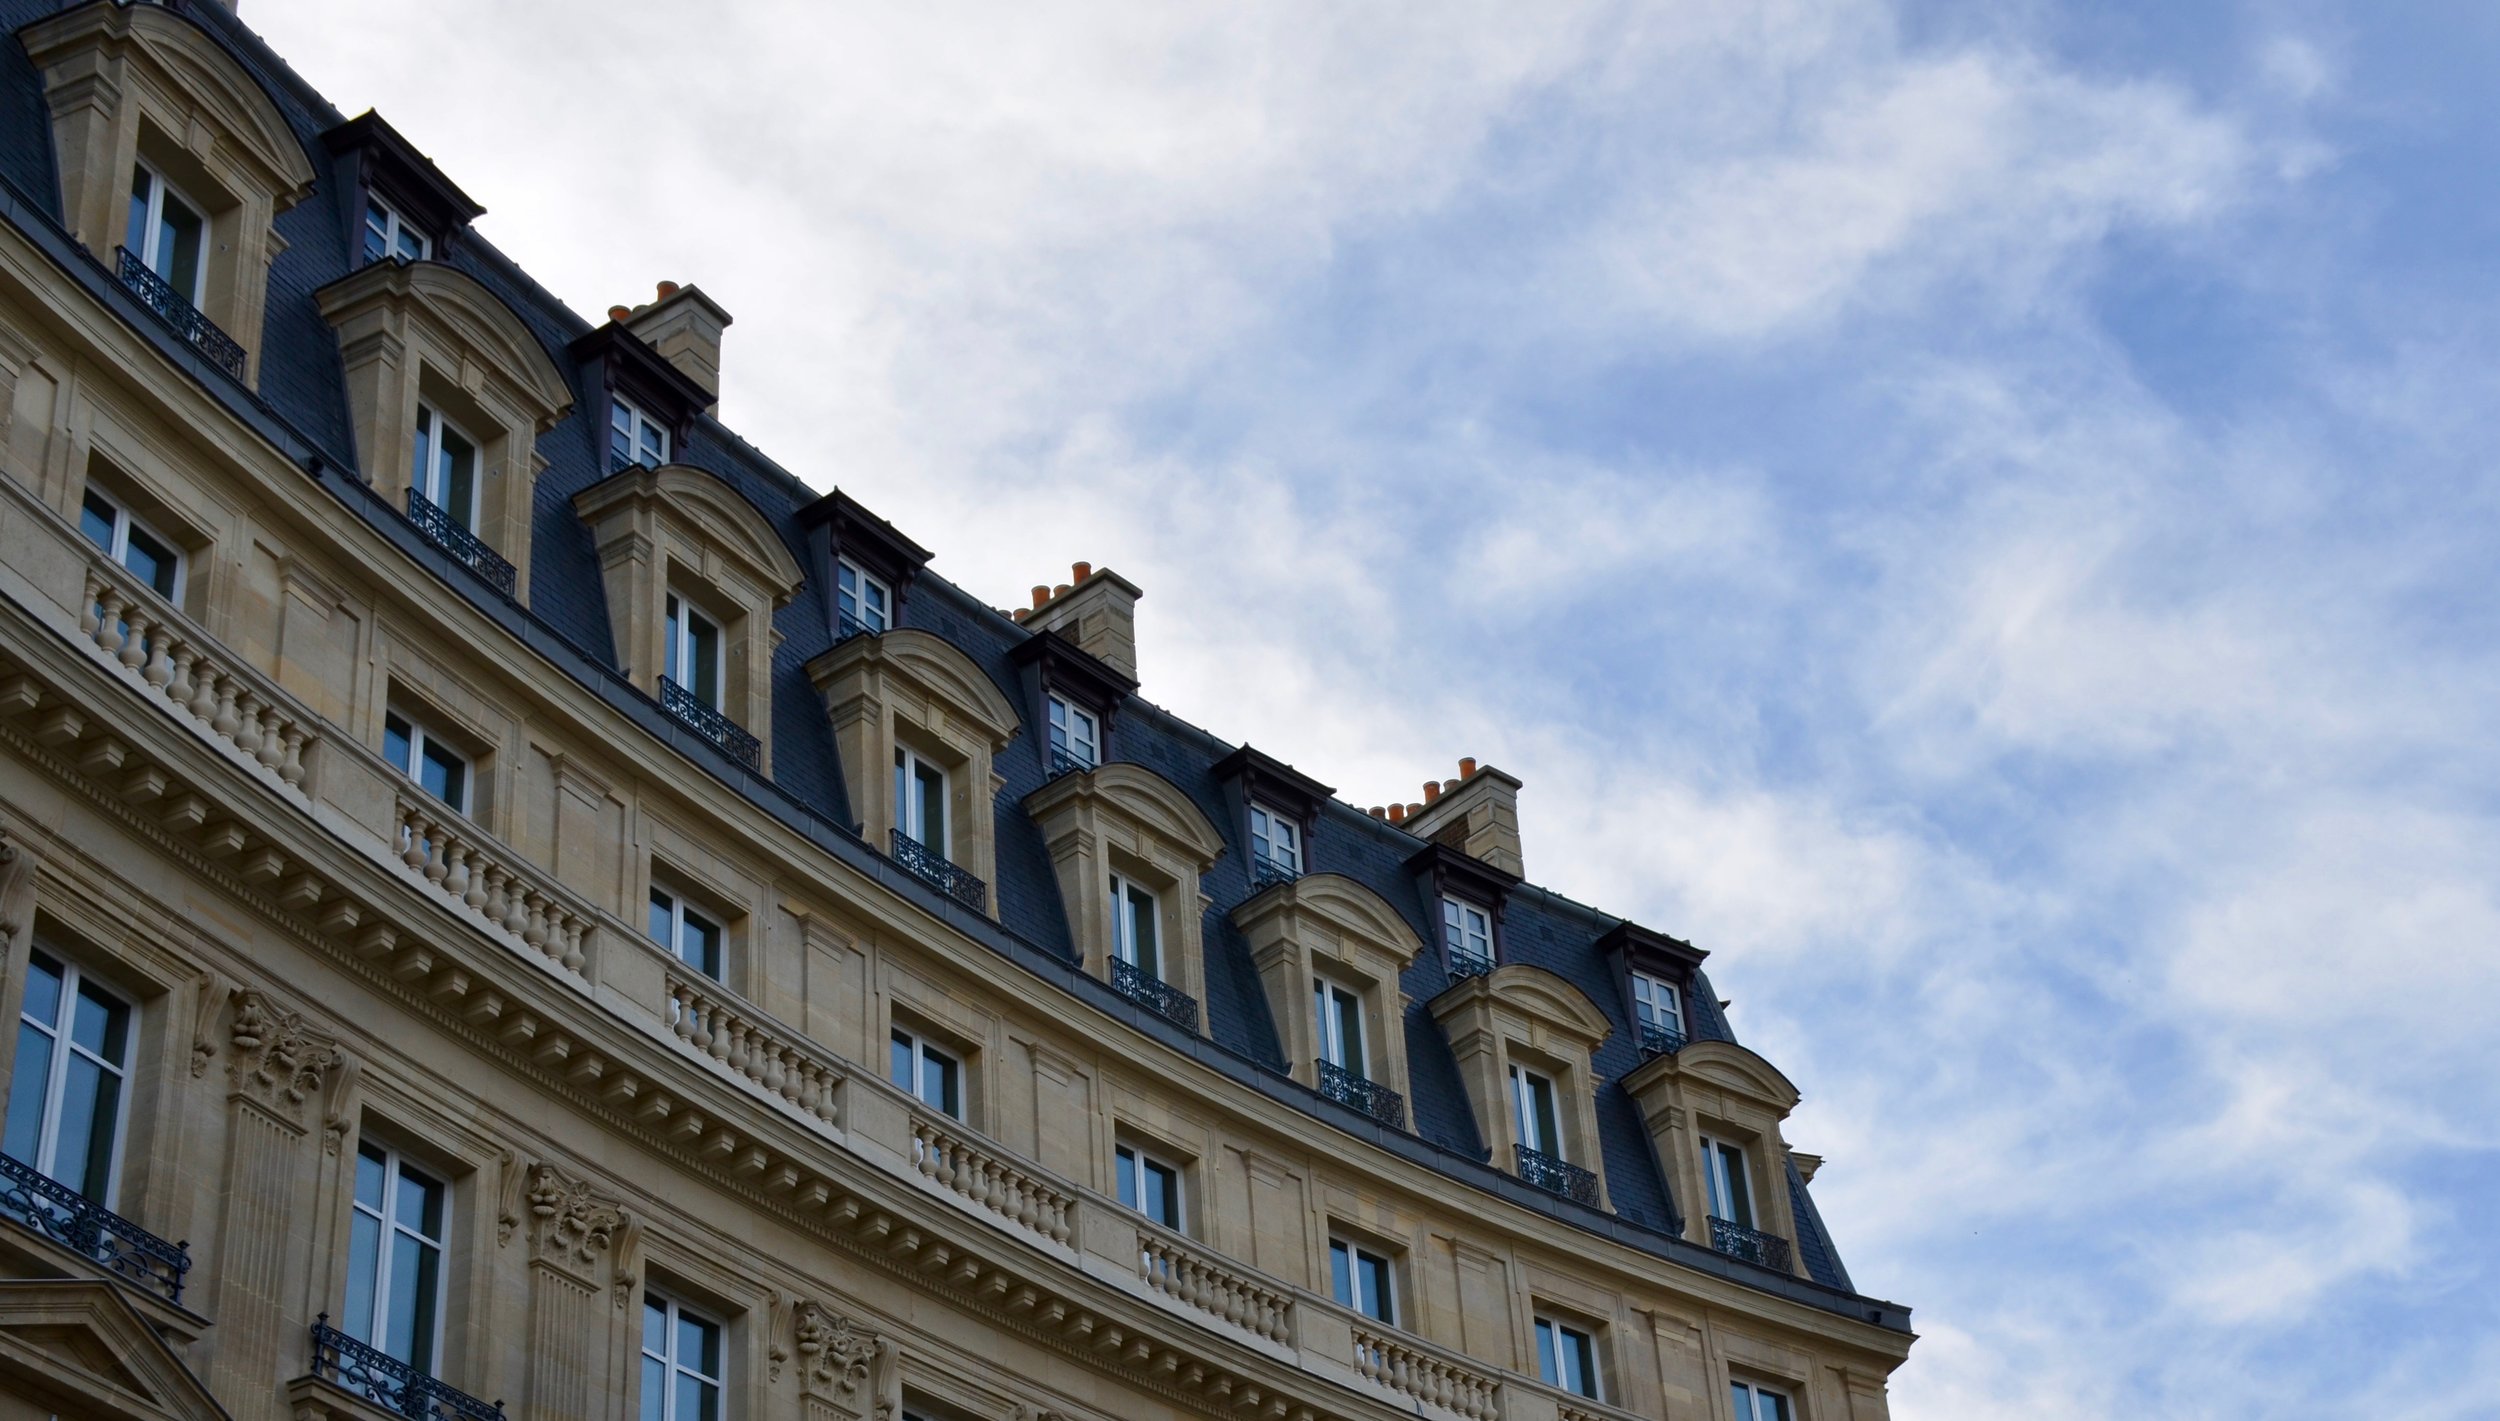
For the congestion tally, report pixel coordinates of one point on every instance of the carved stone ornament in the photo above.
(568, 1222)
(17, 894)
(834, 1352)
(279, 1061)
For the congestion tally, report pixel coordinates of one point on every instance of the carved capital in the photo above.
(17, 892)
(279, 1061)
(834, 1353)
(570, 1224)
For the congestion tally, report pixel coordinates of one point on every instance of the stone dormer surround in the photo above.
(1126, 819)
(132, 83)
(1524, 1016)
(414, 333)
(1329, 924)
(1720, 1089)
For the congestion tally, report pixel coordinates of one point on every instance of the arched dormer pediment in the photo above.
(472, 322)
(938, 665)
(1725, 1068)
(1525, 1040)
(1342, 904)
(1533, 996)
(1114, 833)
(1324, 938)
(732, 535)
(1150, 803)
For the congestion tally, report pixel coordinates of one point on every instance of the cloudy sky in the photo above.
(1980, 514)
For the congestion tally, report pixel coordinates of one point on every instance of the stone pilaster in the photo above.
(844, 1370)
(579, 1245)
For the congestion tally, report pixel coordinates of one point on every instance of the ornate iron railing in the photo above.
(177, 312)
(1154, 994)
(389, 1382)
(1556, 1175)
(934, 869)
(1659, 1040)
(1067, 762)
(1751, 1245)
(692, 713)
(1266, 872)
(445, 532)
(1371, 1097)
(1468, 964)
(846, 626)
(87, 1228)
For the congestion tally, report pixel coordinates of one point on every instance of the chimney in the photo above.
(1096, 609)
(684, 326)
(1476, 814)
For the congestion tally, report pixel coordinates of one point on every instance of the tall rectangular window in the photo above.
(694, 938)
(127, 541)
(1275, 840)
(1566, 1357)
(387, 234)
(1148, 1185)
(1136, 926)
(692, 653)
(864, 598)
(935, 1076)
(920, 801)
(446, 467)
(73, 1068)
(1757, 1403)
(395, 1258)
(1656, 1002)
(167, 233)
(634, 437)
(1075, 735)
(1340, 1012)
(681, 1362)
(1731, 1193)
(441, 771)
(1466, 930)
(1540, 1128)
(1362, 1281)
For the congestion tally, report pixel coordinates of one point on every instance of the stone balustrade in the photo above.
(947, 1156)
(708, 1020)
(1195, 1278)
(471, 868)
(1426, 1374)
(127, 619)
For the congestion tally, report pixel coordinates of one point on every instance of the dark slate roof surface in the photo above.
(302, 386)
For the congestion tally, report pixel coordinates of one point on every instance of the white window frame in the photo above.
(1753, 1402)
(1332, 1001)
(924, 1059)
(1730, 1190)
(673, 1366)
(1124, 926)
(431, 425)
(1652, 995)
(394, 1167)
(1129, 1164)
(1524, 1084)
(1075, 732)
(679, 916)
(124, 524)
(393, 229)
(852, 583)
(909, 815)
(1555, 1360)
(74, 981)
(161, 187)
(1466, 928)
(1354, 1255)
(680, 617)
(420, 742)
(646, 439)
(1276, 838)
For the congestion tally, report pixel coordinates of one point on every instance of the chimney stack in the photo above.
(1476, 814)
(1097, 609)
(684, 326)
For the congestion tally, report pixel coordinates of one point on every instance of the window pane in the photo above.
(698, 1345)
(654, 1326)
(931, 784)
(91, 1101)
(459, 477)
(152, 561)
(364, 1261)
(404, 1301)
(184, 231)
(662, 917)
(26, 1092)
(135, 235)
(1341, 1268)
(1375, 1286)
(941, 1083)
(1126, 1159)
(706, 651)
(446, 777)
(1163, 1202)
(696, 1400)
(899, 1065)
(654, 1389)
(672, 654)
(96, 519)
(369, 1171)
(1548, 1360)
(395, 746)
(1142, 916)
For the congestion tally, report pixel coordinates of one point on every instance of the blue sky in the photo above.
(1981, 515)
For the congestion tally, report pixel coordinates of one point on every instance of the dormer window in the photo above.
(1136, 928)
(446, 467)
(1540, 1126)
(866, 603)
(1731, 1188)
(1658, 1012)
(167, 233)
(1467, 936)
(156, 561)
(388, 234)
(1275, 845)
(440, 770)
(1075, 736)
(920, 800)
(634, 437)
(1340, 1030)
(692, 652)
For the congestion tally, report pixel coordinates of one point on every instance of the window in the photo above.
(920, 801)
(693, 652)
(1656, 1003)
(1149, 1186)
(1340, 1027)
(167, 233)
(127, 541)
(73, 1060)
(1566, 1357)
(395, 1258)
(1075, 735)
(1467, 931)
(1135, 920)
(387, 234)
(433, 765)
(634, 437)
(1275, 840)
(681, 1362)
(446, 467)
(1731, 1195)
(1754, 1403)
(1540, 1127)
(692, 937)
(927, 1072)
(1362, 1281)
(862, 598)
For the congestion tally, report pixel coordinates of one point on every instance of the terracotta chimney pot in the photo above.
(1397, 813)
(1059, 591)
(1041, 594)
(668, 289)
(618, 313)
(1414, 809)
(1432, 791)
(1081, 571)
(1467, 768)
(1021, 613)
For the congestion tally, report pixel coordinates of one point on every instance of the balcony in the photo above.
(177, 312)
(1659, 1040)
(1154, 994)
(1752, 1245)
(390, 1383)
(934, 869)
(1066, 762)
(846, 626)
(1464, 964)
(88, 1229)
(703, 720)
(470, 550)
(1372, 1098)
(1267, 873)
(1556, 1175)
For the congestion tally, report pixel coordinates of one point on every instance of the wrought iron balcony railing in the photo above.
(1154, 994)
(934, 869)
(87, 1228)
(1067, 762)
(1468, 964)
(846, 626)
(389, 1382)
(692, 713)
(1371, 1097)
(1266, 872)
(1752, 1245)
(177, 312)
(1556, 1175)
(1660, 1040)
(445, 532)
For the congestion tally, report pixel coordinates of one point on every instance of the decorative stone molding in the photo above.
(17, 894)
(1328, 923)
(834, 1353)
(1126, 819)
(570, 1223)
(1525, 1016)
(279, 1061)
(1723, 1090)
